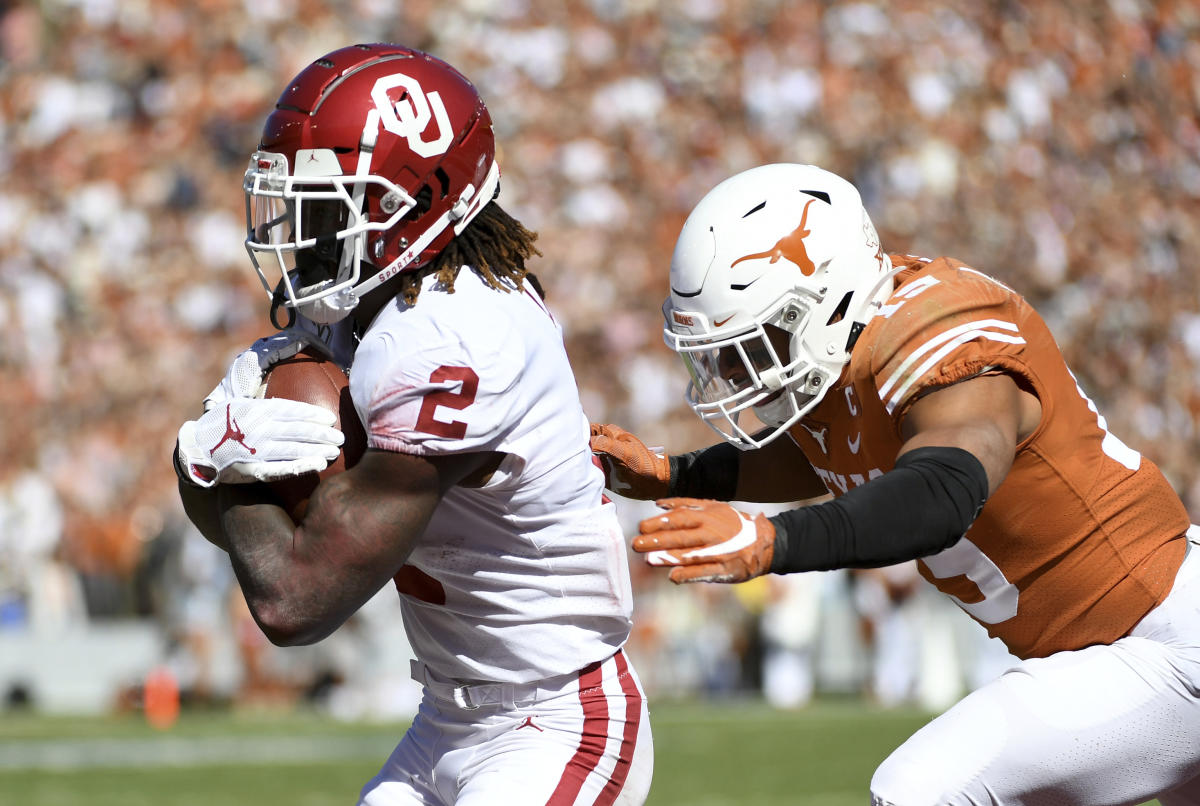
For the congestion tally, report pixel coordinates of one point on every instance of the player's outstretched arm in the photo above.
(302, 581)
(960, 443)
(777, 472)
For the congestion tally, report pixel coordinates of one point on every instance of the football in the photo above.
(311, 378)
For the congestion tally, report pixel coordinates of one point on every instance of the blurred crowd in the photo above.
(1055, 146)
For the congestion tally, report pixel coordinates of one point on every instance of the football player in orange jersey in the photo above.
(933, 403)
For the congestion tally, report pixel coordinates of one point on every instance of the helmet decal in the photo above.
(409, 117)
(790, 246)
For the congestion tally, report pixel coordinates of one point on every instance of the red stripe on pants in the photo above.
(633, 719)
(591, 741)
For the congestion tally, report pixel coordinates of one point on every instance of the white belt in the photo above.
(475, 694)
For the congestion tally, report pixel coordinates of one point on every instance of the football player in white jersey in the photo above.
(372, 222)
(932, 402)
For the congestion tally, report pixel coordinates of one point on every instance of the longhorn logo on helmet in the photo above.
(790, 246)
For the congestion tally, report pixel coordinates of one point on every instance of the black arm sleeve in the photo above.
(922, 506)
(710, 472)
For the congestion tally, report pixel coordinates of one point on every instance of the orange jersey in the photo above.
(1082, 538)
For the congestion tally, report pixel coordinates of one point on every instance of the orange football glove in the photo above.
(630, 468)
(707, 541)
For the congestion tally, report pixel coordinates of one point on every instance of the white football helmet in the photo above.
(775, 273)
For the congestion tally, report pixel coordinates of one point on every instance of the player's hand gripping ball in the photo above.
(312, 378)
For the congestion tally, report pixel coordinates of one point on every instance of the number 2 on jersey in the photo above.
(457, 400)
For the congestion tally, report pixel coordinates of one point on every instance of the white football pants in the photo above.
(1101, 726)
(580, 740)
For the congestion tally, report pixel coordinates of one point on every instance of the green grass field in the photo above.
(706, 755)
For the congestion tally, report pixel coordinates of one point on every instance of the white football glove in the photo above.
(249, 439)
(245, 374)
(242, 438)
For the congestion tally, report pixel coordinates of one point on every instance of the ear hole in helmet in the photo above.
(856, 330)
(839, 313)
(425, 196)
(424, 200)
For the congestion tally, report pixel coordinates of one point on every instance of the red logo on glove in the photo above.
(232, 432)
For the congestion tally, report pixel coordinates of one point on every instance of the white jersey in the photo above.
(527, 576)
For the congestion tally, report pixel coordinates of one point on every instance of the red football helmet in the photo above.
(375, 154)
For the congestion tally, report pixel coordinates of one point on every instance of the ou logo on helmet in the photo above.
(409, 117)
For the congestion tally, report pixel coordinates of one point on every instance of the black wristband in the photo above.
(925, 505)
(710, 472)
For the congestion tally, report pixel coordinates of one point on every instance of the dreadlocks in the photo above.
(494, 244)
